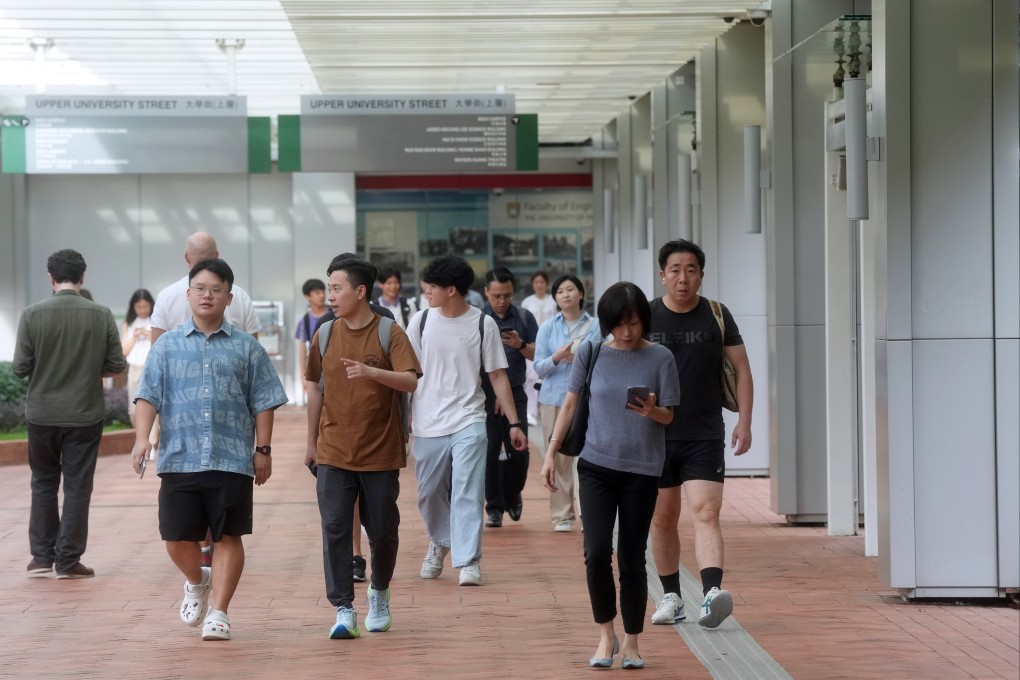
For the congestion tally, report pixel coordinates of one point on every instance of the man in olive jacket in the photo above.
(65, 346)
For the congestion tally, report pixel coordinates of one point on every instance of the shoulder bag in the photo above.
(573, 441)
(727, 378)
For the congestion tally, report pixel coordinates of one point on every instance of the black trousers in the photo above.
(604, 494)
(376, 494)
(504, 479)
(71, 453)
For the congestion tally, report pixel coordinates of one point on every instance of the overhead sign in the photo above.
(106, 135)
(414, 138)
(403, 104)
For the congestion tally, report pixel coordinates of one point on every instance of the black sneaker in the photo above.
(359, 568)
(37, 569)
(495, 519)
(77, 571)
(516, 509)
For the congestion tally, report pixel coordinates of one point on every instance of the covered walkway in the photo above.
(807, 605)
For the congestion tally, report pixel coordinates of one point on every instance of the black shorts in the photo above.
(686, 460)
(192, 502)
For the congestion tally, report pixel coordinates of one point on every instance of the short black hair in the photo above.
(620, 302)
(216, 266)
(66, 266)
(540, 274)
(681, 245)
(340, 258)
(449, 270)
(500, 274)
(359, 272)
(387, 273)
(312, 285)
(563, 279)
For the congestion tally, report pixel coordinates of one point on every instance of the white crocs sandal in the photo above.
(196, 600)
(217, 626)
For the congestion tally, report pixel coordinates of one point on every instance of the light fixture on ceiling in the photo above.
(40, 46)
(229, 47)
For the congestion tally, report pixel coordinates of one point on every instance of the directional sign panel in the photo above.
(105, 135)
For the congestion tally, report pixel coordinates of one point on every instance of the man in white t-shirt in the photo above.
(448, 416)
(172, 309)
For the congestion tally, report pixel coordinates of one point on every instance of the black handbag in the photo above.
(573, 441)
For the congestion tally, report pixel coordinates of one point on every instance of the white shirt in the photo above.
(139, 350)
(172, 308)
(449, 395)
(541, 309)
(397, 315)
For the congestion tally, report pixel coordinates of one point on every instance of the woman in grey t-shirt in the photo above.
(620, 464)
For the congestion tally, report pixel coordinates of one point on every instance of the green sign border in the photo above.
(527, 141)
(260, 158)
(12, 145)
(288, 143)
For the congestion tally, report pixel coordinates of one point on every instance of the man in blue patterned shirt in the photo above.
(215, 390)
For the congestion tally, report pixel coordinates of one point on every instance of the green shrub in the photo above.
(12, 388)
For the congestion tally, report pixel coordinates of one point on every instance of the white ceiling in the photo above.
(573, 62)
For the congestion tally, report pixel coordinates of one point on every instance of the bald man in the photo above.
(171, 308)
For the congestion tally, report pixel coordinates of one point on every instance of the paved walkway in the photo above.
(812, 603)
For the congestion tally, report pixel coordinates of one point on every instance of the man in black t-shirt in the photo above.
(684, 322)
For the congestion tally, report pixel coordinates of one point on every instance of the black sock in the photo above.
(670, 582)
(711, 578)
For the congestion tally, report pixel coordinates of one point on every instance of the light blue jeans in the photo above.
(451, 490)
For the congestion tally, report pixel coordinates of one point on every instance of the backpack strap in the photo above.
(717, 313)
(421, 323)
(385, 333)
(324, 331)
(405, 309)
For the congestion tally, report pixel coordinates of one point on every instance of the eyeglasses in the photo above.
(215, 291)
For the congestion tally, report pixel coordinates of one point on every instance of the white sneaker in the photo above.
(565, 525)
(432, 567)
(196, 599)
(471, 574)
(718, 605)
(346, 626)
(669, 611)
(217, 626)
(379, 618)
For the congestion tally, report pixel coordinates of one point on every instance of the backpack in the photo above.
(385, 334)
(405, 310)
(727, 377)
(490, 395)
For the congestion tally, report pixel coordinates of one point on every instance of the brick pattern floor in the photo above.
(813, 602)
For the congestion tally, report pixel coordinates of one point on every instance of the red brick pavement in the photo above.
(813, 602)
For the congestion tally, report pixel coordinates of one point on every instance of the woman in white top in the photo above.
(403, 308)
(542, 306)
(134, 341)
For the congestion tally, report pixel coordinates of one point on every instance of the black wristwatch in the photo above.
(513, 425)
(264, 450)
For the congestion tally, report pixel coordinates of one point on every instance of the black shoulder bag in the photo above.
(573, 441)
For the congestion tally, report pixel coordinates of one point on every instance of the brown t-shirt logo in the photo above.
(373, 361)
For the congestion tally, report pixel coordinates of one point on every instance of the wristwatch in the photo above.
(513, 425)
(264, 450)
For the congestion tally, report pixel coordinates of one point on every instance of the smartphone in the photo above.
(142, 466)
(313, 468)
(633, 393)
(506, 333)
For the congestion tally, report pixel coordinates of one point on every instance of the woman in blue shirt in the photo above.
(558, 340)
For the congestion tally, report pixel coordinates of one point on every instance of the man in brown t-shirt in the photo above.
(356, 439)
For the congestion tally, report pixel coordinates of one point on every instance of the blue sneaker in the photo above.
(346, 626)
(379, 618)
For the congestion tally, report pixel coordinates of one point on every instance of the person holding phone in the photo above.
(504, 479)
(619, 466)
(558, 341)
